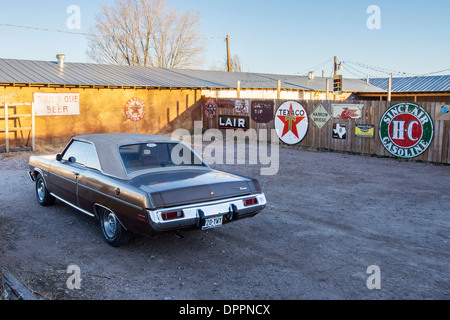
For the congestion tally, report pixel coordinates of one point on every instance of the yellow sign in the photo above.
(365, 130)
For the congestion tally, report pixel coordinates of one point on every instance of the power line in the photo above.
(45, 29)
(381, 70)
(82, 33)
(427, 74)
(320, 65)
(358, 75)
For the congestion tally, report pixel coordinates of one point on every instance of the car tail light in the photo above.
(251, 201)
(172, 215)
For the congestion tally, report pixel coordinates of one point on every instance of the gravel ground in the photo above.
(329, 217)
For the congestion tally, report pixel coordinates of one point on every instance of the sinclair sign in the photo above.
(406, 130)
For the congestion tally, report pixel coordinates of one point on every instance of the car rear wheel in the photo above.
(42, 194)
(113, 231)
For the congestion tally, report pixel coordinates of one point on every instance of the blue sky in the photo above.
(284, 37)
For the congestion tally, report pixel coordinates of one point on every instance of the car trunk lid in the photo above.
(179, 187)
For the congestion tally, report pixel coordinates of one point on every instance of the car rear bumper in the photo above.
(195, 215)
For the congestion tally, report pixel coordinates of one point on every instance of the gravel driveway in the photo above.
(330, 217)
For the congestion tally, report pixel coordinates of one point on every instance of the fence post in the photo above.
(33, 128)
(6, 128)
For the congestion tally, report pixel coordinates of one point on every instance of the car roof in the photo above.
(107, 146)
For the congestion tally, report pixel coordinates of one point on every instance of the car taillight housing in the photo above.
(250, 202)
(172, 215)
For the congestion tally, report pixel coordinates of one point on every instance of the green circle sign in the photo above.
(406, 130)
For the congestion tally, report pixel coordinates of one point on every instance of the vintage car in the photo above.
(142, 184)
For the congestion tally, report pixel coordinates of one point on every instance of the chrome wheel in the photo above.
(113, 231)
(110, 224)
(40, 188)
(43, 196)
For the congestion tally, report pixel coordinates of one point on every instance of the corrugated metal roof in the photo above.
(415, 84)
(48, 72)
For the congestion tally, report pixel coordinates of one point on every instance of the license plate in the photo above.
(213, 222)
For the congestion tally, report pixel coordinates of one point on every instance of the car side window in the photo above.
(92, 159)
(78, 150)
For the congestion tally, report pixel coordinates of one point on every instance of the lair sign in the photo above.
(56, 104)
(233, 122)
(406, 130)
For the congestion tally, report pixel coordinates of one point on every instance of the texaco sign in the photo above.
(135, 109)
(291, 122)
(406, 130)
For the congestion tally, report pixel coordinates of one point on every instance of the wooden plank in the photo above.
(445, 143)
(448, 144)
(6, 128)
(15, 116)
(16, 286)
(33, 127)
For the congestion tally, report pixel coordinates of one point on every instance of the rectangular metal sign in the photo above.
(233, 122)
(56, 104)
(365, 130)
(347, 111)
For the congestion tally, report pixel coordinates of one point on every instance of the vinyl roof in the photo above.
(107, 146)
(14, 71)
(415, 84)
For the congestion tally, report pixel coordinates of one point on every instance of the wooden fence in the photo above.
(371, 113)
(9, 115)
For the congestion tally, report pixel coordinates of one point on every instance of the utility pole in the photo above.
(335, 65)
(228, 54)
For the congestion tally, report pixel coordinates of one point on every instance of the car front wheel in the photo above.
(113, 231)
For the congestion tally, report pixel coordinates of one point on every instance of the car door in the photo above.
(90, 182)
(64, 174)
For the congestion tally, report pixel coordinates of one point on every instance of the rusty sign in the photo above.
(262, 111)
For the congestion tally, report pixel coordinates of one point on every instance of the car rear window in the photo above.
(143, 156)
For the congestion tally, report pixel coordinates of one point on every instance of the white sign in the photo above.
(291, 122)
(56, 104)
(347, 111)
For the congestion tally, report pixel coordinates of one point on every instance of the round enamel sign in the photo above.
(291, 122)
(210, 108)
(406, 130)
(135, 109)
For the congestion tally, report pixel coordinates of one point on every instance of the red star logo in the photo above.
(290, 122)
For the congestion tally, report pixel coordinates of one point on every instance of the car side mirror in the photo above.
(58, 157)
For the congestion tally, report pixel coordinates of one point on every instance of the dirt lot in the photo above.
(329, 217)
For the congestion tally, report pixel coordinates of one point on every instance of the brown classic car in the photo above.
(142, 184)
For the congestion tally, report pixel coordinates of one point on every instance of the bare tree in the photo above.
(145, 33)
(235, 64)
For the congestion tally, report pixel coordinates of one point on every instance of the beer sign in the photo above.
(56, 104)
(406, 130)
